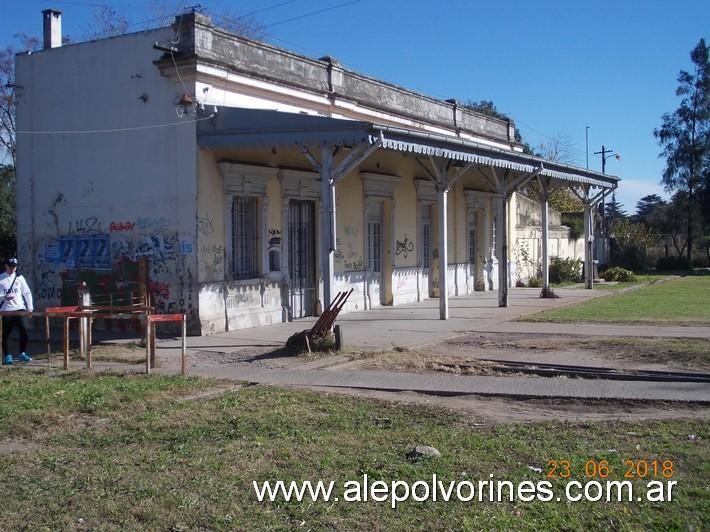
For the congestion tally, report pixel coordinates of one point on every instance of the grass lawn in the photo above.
(136, 453)
(684, 301)
(641, 278)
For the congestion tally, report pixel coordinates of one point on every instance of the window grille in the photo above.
(245, 241)
(426, 244)
(374, 245)
(471, 245)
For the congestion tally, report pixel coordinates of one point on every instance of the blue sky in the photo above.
(553, 66)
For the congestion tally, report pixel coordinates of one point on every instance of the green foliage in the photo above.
(671, 264)
(629, 234)
(621, 275)
(613, 209)
(534, 282)
(8, 218)
(488, 108)
(575, 222)
(679, 215)
(630, 241)
(153, 461)
(647, 205)
(565, 270)
(564, 201)
(684, 136)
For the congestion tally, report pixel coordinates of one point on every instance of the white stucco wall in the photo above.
(102, 155)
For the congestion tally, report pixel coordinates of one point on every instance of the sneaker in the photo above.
(7, 360)
(24, 357)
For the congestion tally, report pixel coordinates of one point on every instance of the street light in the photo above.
(607, 154)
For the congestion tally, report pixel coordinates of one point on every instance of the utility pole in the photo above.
(605, 155)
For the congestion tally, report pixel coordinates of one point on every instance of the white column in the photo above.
(286, 313)
(327, 225)
(487, 247)
(443, 256)
(264, 218)
(502, 249)
(545, 239)
(588, 246)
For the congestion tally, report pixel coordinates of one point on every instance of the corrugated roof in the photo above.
(240, 128)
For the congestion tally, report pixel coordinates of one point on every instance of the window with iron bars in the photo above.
(374, 245)
(245, 240)
(425, 235)
(471, 245)
(426, 244)
(494, 245)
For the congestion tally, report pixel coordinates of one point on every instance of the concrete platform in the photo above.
(419, 324)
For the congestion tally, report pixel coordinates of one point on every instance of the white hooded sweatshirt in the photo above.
(12, 298)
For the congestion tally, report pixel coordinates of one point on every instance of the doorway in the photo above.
(301, 258)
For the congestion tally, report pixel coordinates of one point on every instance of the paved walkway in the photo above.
(418, 324)
(406, 325)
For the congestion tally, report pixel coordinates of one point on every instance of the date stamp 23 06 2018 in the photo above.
(631, 469)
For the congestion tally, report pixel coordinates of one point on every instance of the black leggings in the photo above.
(8, 325)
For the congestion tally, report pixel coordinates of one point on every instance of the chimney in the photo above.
(52, 19)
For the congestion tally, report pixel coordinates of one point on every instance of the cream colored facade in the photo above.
(390, 189)
(265, 217)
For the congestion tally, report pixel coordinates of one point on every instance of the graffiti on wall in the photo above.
(101, 254)
(346, 252)
(121, 227)
(205, 225)
(151, 223)
(274, 238)
(214, 252)
(90, 224)
(404, 247)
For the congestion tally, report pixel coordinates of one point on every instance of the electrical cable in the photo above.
(255, 12)
(312, 13)
(114, 130)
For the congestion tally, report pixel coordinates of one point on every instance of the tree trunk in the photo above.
(690, 220)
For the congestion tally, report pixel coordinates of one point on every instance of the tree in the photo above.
(613, 210)
(647, 205)
(674, 220)
(488, 108)
(558, 147)
(7, 95)
(685, 137)
(108, 21)
(652, 210)
(630, 242)
(8, 231)
(562, 200)
(7, 104)
(105, 22)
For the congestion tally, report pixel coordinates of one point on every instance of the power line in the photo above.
(312, 13)
(113, 130)
(98, 4)
(268, 8)
(517, 121)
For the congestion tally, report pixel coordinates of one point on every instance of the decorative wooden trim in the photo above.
(300, 184)
(245, 179)
(379, 185)
(426, 191)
